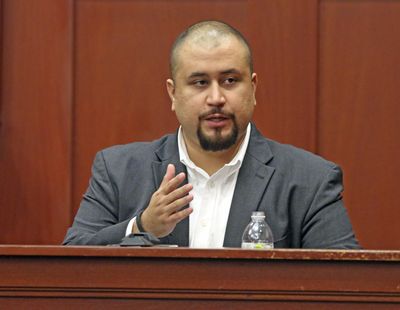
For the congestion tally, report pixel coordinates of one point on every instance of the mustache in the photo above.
(216, 110)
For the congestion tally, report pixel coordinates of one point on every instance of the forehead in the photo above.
(212, 56)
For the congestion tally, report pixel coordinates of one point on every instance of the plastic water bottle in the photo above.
(257, 234)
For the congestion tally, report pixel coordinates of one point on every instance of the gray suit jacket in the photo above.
(299, 192)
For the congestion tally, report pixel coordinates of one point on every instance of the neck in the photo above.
(210, 161)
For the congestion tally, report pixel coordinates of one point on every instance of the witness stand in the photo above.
(59, 277)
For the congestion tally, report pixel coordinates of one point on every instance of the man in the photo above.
(198, 187)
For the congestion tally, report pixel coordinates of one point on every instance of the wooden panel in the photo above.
(106, 277)
(35, 121)
(359, 112)
(121, 63)
(122, 50)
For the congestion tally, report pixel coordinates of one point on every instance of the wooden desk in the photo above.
(56, 277)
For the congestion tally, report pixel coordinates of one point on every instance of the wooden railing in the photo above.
(45, 277)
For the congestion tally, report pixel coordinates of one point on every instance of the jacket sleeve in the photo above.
(96, 222)
(326, 223)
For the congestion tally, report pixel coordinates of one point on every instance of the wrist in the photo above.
(138, 222)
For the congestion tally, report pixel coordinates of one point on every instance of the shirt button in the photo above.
(212, 184)
(203, 223)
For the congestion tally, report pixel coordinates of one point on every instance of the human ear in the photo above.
(171, 92)
(254, 81)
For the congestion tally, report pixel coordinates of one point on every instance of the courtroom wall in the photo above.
(78, 76)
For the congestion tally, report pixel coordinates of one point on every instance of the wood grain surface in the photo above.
(78, 76)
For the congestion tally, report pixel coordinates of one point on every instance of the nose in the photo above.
(215, 95)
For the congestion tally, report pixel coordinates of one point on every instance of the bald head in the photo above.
(206, 34)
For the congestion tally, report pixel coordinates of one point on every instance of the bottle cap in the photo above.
(258, 214)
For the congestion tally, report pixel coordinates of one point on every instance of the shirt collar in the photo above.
(236, 160)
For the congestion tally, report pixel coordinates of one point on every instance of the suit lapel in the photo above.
(168, 154)
(254, 176)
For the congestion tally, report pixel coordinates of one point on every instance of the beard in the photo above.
(217, 142)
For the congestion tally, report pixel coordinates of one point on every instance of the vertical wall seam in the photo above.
(72, 106)
(318, 79)
(1, 62)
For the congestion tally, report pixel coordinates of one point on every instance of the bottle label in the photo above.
(257, 246)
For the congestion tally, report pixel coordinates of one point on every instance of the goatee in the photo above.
(217, 142)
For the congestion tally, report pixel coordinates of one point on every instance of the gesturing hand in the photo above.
(164, 210)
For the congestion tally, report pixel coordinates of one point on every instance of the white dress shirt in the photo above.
(212, 197)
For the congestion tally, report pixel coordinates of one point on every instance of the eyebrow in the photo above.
(229, 71)
(202, 74)
(197, 74)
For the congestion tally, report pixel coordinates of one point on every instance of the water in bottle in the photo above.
(257, 234)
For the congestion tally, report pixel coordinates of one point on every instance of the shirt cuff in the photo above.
(130, 226)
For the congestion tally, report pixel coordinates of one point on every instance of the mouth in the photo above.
(216, 117)
(216, 120)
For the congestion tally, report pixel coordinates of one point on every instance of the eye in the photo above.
(230, 81)
(200, 83)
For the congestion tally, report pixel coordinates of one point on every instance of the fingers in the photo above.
(165, 209)
(170, 173)
(177, 204)
(179, 216)
(170, 182)
(178, 193)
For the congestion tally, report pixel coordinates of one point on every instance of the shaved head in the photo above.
(207, 34)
